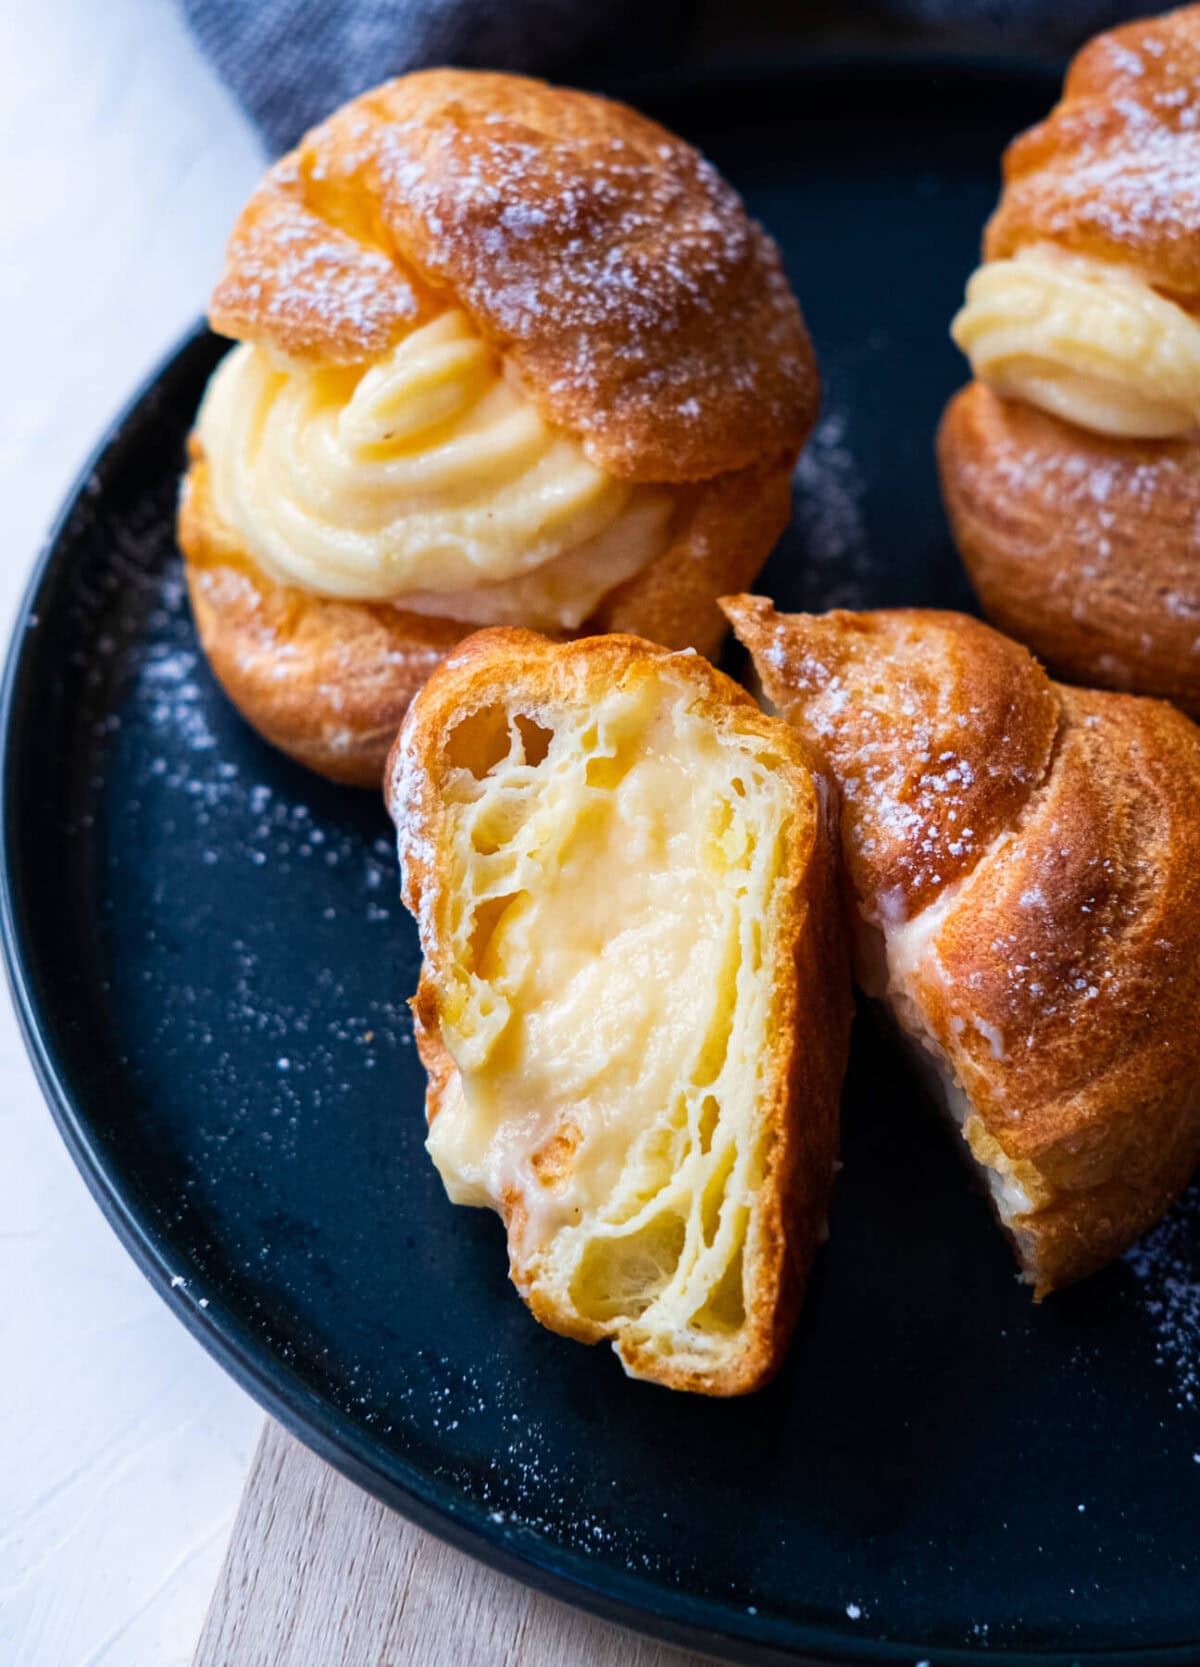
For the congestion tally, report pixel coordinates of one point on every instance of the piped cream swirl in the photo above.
(1084, 340)
(425, 478)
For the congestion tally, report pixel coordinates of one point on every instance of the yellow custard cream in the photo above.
(1084, 340)
(614, 902)
(424, 479)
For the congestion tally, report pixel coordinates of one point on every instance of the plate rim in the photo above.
(640, 1604)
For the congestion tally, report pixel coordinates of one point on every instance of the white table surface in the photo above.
(123, 1448)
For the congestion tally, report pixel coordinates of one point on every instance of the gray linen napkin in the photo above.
(290, 62)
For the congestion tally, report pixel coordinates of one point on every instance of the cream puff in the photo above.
(508, 354)
(1023, 867)
(1070, 467)
(634, 1006)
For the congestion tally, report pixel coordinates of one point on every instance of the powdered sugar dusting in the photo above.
(305, 285)
(615, 267)
(1121, 162)
(828, 511)
(925, 758)
(1149, 180)
(190, 770)
(248, 820)
(503, 189)
(1166, 1265)
(1100, 497)
(521, 1487)
(624, 280)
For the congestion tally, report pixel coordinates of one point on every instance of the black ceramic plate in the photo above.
(211, 964)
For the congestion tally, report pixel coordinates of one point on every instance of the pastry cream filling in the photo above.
(614, 908)
(1084, 340)
(425, 478)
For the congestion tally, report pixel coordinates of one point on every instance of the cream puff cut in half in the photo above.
(634, 1004)
(1023, 863)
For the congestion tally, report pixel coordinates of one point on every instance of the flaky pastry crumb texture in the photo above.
(634, 1005)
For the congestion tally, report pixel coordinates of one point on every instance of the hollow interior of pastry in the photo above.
(615, 910)
(886, 970)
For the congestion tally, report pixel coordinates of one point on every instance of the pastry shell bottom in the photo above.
(1082, 547)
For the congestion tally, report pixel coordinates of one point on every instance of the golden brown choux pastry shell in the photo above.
(1083, 547)
(1024, 865)
(641, 307)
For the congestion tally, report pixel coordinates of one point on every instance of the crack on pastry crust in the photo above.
(660, 1146)
(1052, 981)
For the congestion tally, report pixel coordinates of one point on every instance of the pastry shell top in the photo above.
(635, 300)
(1114, 171)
